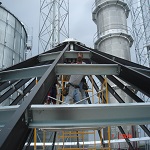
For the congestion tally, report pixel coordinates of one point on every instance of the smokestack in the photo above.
(112, 32)
(112, 37)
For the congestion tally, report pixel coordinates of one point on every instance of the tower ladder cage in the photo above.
(53, 23)
(140, 22)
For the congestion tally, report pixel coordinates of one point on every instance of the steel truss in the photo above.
(17, 125)
(54, 23)
(140, 21)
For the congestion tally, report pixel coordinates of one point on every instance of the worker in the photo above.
(74, 94)
(83, 87)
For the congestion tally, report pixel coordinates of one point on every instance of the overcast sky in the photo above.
(82, 27)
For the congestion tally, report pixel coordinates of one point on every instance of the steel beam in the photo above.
(25, 91)
(145, 129)
(111, 90)
(125, 89)
(23, 73)
(126, 138)
(143, 71)
(13, 89)
(65, 69)
(6, 113)
(92, 115)
(87, 69)
(69, 54)
(6, 85)
(48, 56)
(134, 78)
(28, 63)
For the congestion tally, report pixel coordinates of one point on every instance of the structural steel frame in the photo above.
(17, 127)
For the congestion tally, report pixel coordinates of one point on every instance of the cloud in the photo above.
(81, 25)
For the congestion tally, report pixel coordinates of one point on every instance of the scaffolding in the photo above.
(76, 139)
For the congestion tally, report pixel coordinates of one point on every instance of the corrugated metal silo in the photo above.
(13, 39)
